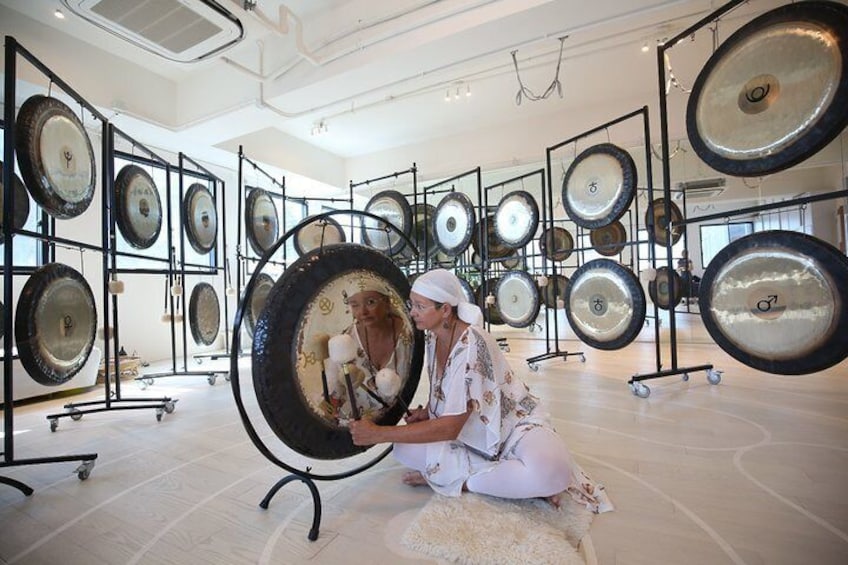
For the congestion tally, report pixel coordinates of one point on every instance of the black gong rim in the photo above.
(535, 302)
(834, 119)
(466, 205)
(249, 215)
(124, 217)
(622, 203)
(20, 214)
(200, 336)
(532, 210)
(832, 351)
(275, 353)
(191, 228)
(399, 200)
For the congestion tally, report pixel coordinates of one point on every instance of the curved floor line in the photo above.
(612, 409)
(737, 462)
(786, 408)
(720, 541)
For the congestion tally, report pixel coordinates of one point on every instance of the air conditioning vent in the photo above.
(179, 30)
(700, 189)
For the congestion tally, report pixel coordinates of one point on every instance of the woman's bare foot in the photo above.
(554, 500)
(414, 479)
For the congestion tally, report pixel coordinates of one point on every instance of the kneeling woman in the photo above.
(482, 430)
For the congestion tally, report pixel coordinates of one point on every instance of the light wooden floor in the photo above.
(753, 470)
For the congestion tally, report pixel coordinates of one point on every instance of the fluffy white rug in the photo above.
(484, 530)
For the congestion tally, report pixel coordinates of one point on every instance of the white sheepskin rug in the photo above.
(478, 529)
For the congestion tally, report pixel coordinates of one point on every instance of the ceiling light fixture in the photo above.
(645, 47)
(59, 14)
(447, 96)
(320, 128)
(456, 96)
(467, 90)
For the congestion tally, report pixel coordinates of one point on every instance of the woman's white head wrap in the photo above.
(440, 285)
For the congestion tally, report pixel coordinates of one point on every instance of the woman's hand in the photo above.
(417, 415)
(364, 432)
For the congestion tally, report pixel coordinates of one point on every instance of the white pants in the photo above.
(540, 466)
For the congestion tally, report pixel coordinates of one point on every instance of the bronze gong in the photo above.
(490, 312)
(517, 299)
(660, 289)
(316, 233)
(605, 304)
(55, 157)
(774, 93)
(204, 314)
(138, 206)
(261, 221)
(467, 289)
(422, 231)
(657, 223)
(599, 185)
(496, 249)
(516, 219)
(555, 290)
(21, 212)
(264, 283)
(453, 222)
(609, 240)
(776, 301)
(393, 207)
(556, 244)
(55, 324)
(290, 365)
(200, 218)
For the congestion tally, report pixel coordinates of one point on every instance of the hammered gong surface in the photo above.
(494, 247)
(660, 222)
(775, 92)
(660, 288)
(393, 207)
(204, 314)
(317, 233)
(556, 244)
(609, 240)
(261, 220)
(776, 301)
(200, 218)
(139, 208)
(605, 304)
(599, 185)
(517, 299)
(264, 283)
(453, 222)
(516, 219)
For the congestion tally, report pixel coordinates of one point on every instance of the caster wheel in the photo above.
(169, 407)
(640, 390)
(582, 358)
(685, 377)
(76, 415)
(54, 424)
(506, 349)
(141, 384)
(159, 413)
(533, 367)
(148, 381)
(84, 470)
(211, 379)
(713, 376)
(227, 377)
(198, 360)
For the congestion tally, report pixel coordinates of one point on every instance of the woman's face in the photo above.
(426, 313)
(369, 307)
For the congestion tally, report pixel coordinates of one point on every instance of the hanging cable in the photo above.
(555, 84)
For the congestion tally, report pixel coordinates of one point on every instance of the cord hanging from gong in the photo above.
(523, 91)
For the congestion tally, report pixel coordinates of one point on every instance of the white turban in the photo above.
(440, 285)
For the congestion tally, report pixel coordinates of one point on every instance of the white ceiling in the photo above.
(376, 72)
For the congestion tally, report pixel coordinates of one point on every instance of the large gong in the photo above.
(516, 219)
(496, 248)
(138, 207)
(55, 157)
(261, 220)
(422, 231)
(453, 222)
(609, 240)
(200, 218)
(661, 288)
(393, 207)
(599, 185)
(317, 233)
(204, 314)
(605, 304)
(490, 311)
(775, 92)
(556, 284)
(467, 289)
(21, 212)
(556, 244)
(264, 283)
(55, 324)
(655, 216)
(517, 299)
(776, 301)
(306, 306)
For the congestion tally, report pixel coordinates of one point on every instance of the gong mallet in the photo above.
(389, 385)
(342, 350)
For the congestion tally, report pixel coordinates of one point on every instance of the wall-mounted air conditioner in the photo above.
(699, 189)
(179, 30)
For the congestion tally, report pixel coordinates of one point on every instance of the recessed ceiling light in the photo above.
(59, 14)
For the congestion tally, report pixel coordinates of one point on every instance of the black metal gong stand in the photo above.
(114, 400)
(12, 50)
(179, 269)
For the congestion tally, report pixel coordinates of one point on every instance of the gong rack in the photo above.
(306, 476)
(12, 50)
(178, 269)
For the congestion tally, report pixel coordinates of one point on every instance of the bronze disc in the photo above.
(317, 233)
(774, 93)
(516, 219)
(200, 218)
(422, 231)
(204, 314)
(656, 222)
(261, 221)
(777, 302)
(609, 240)
(453, 222)
(555, 290)
(20, 214)
(517, 299)
(599, 185)
(138, 207)
(660, 288)
(496, 248)
(393, 207)
(490, 313)
(55, 324)
(556, 244)
(264, 283)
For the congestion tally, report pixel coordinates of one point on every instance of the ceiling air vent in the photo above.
(179, 30)
(704, 188)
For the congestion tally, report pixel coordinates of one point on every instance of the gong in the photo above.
(556, 244)
(560, 283)
(138, 207)
(307, 303)
(453, 222)
(513, 263)
(393, 207)
(599, 185)
(55, 324)
(660, 288)
(496, 249)
(605, 304)
(490, 313)
(776, 301)
(21, 212)
(517, 299)
(774, 93)
(204, 314)
(516, 219)
(609, 240)
(466, 288)
(261, 221)
(200, 218)
(656, 222)
(317, 233)
(264, 283)
(55, 157)
(422, 231)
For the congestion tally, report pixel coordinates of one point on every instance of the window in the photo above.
(716, 237)
(26, 251)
